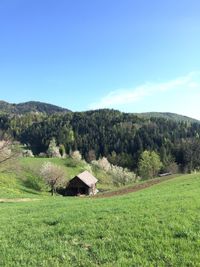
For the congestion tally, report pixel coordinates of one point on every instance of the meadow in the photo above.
(157, 226)
(22, 179)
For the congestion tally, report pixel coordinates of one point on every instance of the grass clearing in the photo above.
(158, 226)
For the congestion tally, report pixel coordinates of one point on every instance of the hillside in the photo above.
(167, 115)
(120, 137)
(40, 107)
(22, 178)
(30, 107)
(158, 226)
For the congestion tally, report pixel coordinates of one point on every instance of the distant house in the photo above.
(82, 184)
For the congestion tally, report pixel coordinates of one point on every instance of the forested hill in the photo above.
(121, 137)
(31, 106)
(49, 109)
(166, 115)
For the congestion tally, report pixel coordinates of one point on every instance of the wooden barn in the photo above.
(82, 184)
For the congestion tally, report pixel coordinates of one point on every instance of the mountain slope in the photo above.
(167, 115)
(31, 106)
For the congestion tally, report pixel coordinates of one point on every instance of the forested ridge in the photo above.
(31, 106)
(121, 137)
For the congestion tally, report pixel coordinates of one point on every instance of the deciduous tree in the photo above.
(53, 175)
(149, 164)
(9, 151)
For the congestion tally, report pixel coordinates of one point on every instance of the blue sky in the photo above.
(132, 55)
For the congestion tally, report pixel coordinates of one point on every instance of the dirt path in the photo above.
(134, 188)
(13, 200)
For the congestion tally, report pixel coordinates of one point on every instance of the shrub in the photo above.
(53, 150)
(28, 153)
(76, 155)
(102, 164)
(122, 176)
(149, 164)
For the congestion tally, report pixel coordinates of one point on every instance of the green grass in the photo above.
(11, 186)
(158, 226)
(69, 166)
(23, 179)
(71, 169)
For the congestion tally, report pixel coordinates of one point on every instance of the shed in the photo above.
(82, 184)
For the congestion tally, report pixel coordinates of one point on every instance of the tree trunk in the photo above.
(52, 191)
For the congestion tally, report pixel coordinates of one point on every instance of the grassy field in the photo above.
(158, 226)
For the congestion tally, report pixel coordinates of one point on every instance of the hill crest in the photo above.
(167, 115)
(49, 109)
(30, 107)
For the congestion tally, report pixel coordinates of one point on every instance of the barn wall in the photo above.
(76, 186)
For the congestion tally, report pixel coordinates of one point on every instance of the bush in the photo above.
(53, 150)
(122, 176)
(172, 167)
(27, 153)
(149, 164)
(76, 155)
(102, 164)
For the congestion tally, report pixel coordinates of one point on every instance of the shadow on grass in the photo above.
(30, 191)
(32, 184)
(51, 222)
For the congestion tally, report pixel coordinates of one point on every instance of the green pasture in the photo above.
(158, 226)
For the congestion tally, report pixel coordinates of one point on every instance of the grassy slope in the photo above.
(159, 226)
(23, 180)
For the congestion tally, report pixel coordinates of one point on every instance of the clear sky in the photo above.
(132, 55)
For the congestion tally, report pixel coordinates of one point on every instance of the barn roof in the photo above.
(87, 178)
